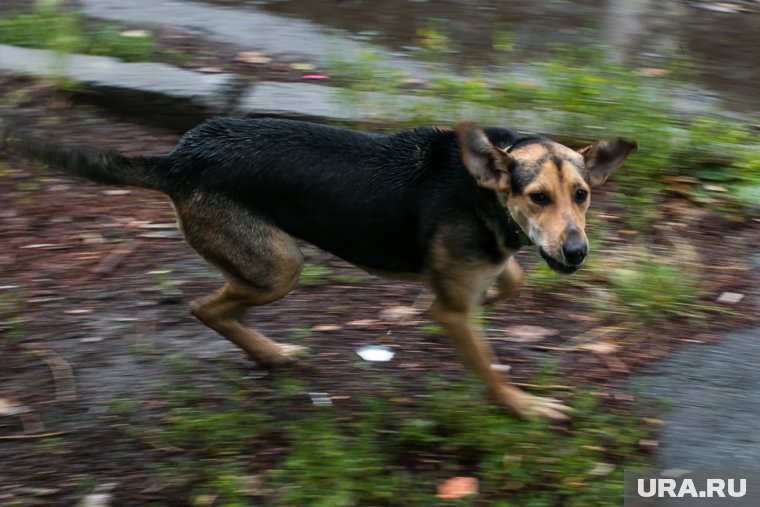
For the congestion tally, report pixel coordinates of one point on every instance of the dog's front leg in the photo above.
(477, 355)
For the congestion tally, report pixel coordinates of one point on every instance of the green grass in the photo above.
(580, 96)
(51, 27)
(388, 450)
(313, 275)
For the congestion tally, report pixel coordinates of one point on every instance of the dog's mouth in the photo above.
(557, 266)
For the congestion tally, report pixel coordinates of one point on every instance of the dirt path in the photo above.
(96, 284)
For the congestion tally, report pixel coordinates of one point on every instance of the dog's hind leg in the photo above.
(260, 262)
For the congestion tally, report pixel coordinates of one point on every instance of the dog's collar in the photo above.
(515, 231)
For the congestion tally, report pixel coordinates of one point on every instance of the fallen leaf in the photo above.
(457, 487)
(600, 347)
(653, 72)
(529, 334)
(397, 313)
(303, 66)
(326, 327)
(252, 57)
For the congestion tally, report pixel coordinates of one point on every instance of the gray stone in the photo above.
(318, 102)
(145, 86)
(711, 397)
(296, 100)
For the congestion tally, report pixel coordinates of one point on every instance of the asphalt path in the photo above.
(711, 402)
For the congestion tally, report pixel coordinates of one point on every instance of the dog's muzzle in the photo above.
(560, 267)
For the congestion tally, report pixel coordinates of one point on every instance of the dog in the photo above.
(448, 208)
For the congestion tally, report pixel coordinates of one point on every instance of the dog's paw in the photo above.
(286, 354)
(530, 407)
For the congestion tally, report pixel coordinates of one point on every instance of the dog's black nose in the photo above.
(574, 252)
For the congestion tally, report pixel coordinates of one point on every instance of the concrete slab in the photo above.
(142, 85)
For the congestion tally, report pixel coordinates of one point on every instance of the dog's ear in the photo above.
(487, 163)
(603, 157)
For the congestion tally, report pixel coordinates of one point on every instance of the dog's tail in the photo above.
(102, 166)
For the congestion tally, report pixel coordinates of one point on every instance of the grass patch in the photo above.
(581, 96)
(388, 450)
(52, 27)
(313, 275)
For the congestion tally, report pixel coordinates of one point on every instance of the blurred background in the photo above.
(112, 394)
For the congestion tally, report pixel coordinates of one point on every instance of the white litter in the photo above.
(375, 353)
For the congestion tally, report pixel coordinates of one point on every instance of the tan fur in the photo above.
(548, 225)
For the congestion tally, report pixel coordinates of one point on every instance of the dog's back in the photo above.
(354, 194)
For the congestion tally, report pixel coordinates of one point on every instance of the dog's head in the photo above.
(547, 187)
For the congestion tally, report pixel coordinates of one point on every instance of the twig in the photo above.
(537, 387)
(115, 257)
(29, 437)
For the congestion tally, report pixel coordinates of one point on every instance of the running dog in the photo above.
(448, 208)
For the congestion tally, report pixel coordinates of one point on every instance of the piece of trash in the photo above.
(252, 57)
(9, 408)
(96, 500)
(730, 297)
(303, 66)
(316, 77)
(716, 188)
(375, 353)
(722, 7)
(457, 487)
(504, 368)
(134, 33)
(326, 327)
(118, 191)
(602, 469)
(320, 399)
(78, 311)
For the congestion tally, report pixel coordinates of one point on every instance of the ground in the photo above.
(97, 335)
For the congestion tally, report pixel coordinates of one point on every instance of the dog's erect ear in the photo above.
(487, 163)
(603, 157)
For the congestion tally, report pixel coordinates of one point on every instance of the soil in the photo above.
(103, 281)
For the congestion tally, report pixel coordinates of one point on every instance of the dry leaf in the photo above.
(600, 347)
(252, 57)
(397, 313)
(457, 487)
(326, 327)
(529, 334)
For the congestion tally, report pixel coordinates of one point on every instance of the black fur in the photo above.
(374, 200)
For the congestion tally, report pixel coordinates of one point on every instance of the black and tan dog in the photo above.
(443, 207)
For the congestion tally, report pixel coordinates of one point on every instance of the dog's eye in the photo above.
(540, 198)
(580, 196)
